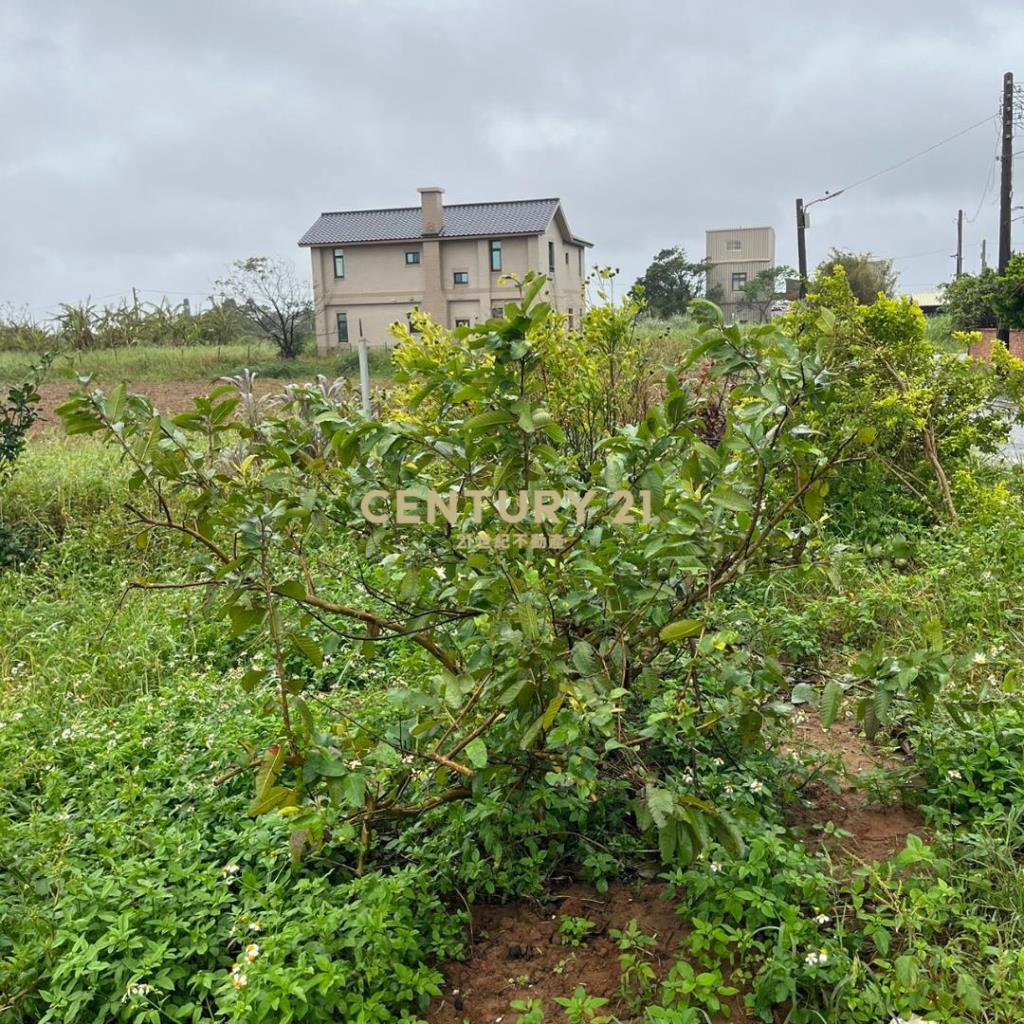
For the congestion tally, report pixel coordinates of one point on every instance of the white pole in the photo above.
(364, 374)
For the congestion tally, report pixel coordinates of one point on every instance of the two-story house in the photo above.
(736, 257)
(374, 267)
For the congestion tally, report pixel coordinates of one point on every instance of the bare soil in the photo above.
(516, 953)
(171, 397)
(875, 832)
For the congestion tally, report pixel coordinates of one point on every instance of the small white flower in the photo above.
(230, 869)
(252, 951)
(728, 790)
(980, 659)
(255, 926)
(717, 762)
(756, 787)
(814, 959)
(953, 773)
(67, 734)
(822, 919)
(715, 867)
(239, 980)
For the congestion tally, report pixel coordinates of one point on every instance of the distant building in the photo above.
(930, 302)
(373, 267)
(737, 256)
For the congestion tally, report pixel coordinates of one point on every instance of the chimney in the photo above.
(433, 212)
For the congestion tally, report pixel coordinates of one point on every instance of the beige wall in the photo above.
(756, 252)
(379, 288)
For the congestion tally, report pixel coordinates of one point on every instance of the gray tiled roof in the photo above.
(518, 217)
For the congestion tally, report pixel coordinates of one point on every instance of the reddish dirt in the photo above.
(876, 833)
(172, 397)
(516, 953)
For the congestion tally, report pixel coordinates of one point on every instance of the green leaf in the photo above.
(355, 790)
(803, 693)
(309, 648)
(326, 767)
(831, 699)
(476, 751)
(731, 499)
(866, 435)
(584, 658)
(244, 618)
(681, 629)
(485, 420)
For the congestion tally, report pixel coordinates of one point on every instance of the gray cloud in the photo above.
(149, 145)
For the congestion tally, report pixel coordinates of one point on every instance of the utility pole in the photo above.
(984, 262)
(959, 244)
(1006, 185)
(801, 247)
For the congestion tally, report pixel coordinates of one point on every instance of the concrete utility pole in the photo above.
(801, 241)
(959, 244)
(801, 247)
(1006, 184)
(984, 262)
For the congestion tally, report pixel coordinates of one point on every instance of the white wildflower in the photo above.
(756, 786)
(979, 659)
(715, 867)
(822, 919)
(230, 869)
(255, 926)
(252, 951)
(954, 773)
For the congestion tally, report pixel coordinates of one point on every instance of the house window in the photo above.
(739, 281)
(495, 254)
(733, 245)
(461, 277)
(339, 262)
(343, 328)
(551, 257)
(497, 312)
(461, 323)
(412, 257)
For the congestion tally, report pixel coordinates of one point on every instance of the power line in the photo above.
(915, 156)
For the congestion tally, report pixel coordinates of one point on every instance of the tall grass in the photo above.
(159, 363)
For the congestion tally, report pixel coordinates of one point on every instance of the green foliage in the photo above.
(923, 411)
(765, 289)
(17, 414)
(538, 655)
(671, 282)
(582, 1009)
(868, 276)
(1008, 295)
(573, 931)
(970, 301)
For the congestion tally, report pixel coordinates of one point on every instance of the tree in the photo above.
(273, 300)
(671, 282)
(578, 659)
(1008, 294)
(969, 301)
(767, 287)
(866, 274)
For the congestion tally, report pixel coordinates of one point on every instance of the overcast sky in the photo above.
(150, 144)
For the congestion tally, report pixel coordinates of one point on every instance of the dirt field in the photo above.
(173, 397)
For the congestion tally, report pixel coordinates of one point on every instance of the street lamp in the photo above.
(801, 243)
